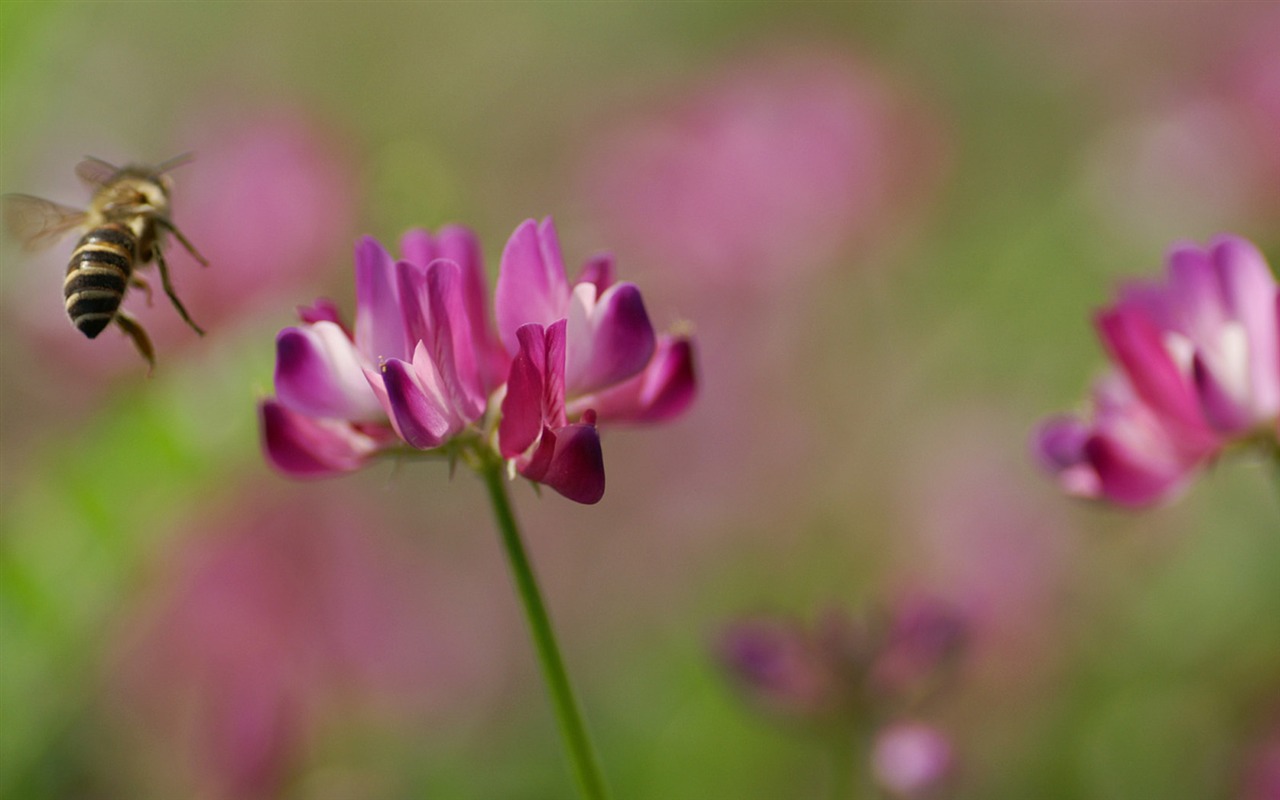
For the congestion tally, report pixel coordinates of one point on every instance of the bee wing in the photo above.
(95, 171)
(36, 222)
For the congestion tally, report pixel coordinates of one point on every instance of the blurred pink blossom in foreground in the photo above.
(268, 623)
(911, 759)
(769, 168)
(1198, 369)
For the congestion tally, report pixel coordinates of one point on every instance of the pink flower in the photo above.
(417, 367)
(911, 759)
(424, 366)
(767, 168)
(1198, 360)
(846, 666)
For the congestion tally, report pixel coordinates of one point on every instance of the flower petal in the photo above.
(379, 327)
(420, 413)
(323, 310)
(1222, 407)
(1249, 287)
(531, 281)
(305, 447)
(319, 373)
(535, 388)
(600, 272)
(662, 391)
(1135, 343)
(1131, 478)
(610, 339)
(570, 461)
(419, 247)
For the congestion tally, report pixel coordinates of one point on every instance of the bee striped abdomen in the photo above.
(98, 275)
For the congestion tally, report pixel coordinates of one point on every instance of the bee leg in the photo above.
(168, 289)
(141, 283)
(177, 234)
(139, 336)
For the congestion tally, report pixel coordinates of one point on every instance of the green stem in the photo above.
(572, 731)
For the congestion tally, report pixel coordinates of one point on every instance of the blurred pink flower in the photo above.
(269, 622)
(1198, 360)
(423, 364)
(912, 759)
(769, 168)
(1203, 151)
(1262, 769)
(845, 667)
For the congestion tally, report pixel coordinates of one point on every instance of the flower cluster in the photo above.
(873, 674)
(424, 365)
(1198, 370)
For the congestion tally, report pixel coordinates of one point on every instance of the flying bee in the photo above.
(124, 225)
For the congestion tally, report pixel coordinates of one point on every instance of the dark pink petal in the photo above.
(1136, 343)
(323, 310)
(1195, 293)
(1249, 287)
(535, 388)
(531, 281)
(460, 245)
(570, 461)
(1060, 441)
(1131, 478)
(435, 316)
(419, 247)
(600, 272)
(419, 413)
(379, 327)
(319, 373)
(553, 404)
(611, 339)
(663, 391)
(1222, 410)
(1059, 447)
(522, 407)
(304, 447)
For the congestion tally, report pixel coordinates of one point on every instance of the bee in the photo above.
(124, 226)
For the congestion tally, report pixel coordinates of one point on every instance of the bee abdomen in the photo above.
(97, 276)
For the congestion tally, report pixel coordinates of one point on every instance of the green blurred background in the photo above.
(862, 427)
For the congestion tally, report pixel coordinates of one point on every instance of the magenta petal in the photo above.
(522, 407)
(319, 373)
(1126, 478)
(663, 391)
(611, 341)
(323, 310)
(460, 245)
(1194, 293)
(570, 461)
(379, 328)
(304, 447)
(1059, 447)
(1222, 410)
(531, 281)
(600, 272)
(1060, 441)
(419, 247)
(1249, 287)
(1135, 342)
(419, 418)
